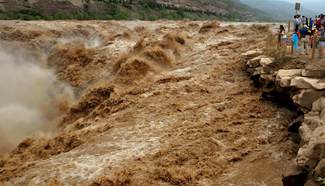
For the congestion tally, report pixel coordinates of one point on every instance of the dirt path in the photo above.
(197, 122)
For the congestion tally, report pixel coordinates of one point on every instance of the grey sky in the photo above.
(303, 1)
(316, 5)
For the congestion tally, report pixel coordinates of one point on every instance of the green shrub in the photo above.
(121, 13)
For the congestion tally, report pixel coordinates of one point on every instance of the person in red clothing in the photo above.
(318, 22)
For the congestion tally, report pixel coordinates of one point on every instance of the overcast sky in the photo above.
(316, 5)
(303, 1)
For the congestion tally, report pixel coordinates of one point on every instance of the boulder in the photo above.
(251, 54)
(303, 158)
(259, 61)
(306, 98)
(319, 105)
(316, 69)
(310, 182)
(310, 154)
(306, 83)
(283, 77)
(322, 115)
(258, 71)
(255, 62)
(320, 168)
(266, 61)
(313, 121)
(313, 73)
(305, 133)
(284, 81)
(290, 73)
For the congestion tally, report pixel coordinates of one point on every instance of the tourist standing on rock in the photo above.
(297, 22)
(318, 22)
(321, 41)
(295, 40)
(304, 32)
(312, 36)
(311, 23)
(304, 20)
(282, 37)
(307, 21)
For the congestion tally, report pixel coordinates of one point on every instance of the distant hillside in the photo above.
(227, 8)
(278, 10)
(129, 9)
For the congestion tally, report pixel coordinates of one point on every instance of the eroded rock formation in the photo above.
(305, 88)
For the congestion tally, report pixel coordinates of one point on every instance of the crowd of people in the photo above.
(307, 33)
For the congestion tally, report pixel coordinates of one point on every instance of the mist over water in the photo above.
(29, 95)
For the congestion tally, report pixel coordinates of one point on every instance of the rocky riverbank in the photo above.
(300, 85)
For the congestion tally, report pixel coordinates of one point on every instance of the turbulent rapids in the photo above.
(136, 103)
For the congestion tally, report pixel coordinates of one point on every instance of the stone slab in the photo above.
(255, 62)
(307, 83)
(265, 61)
(313, 73)
(306, 98)
(284, 77)
(251, 54)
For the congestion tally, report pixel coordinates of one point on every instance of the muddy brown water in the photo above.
(197, 122)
